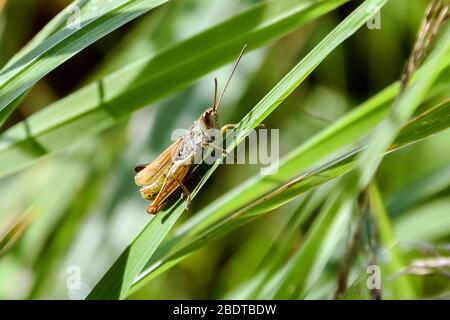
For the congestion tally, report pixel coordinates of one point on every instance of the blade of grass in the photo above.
(9, 237)
(52, 203)
(419, 190)
(278, 252)
(167, 255)
(18, 76)
(401, 287)
(56, 24)
(295, 279)
(121, 275)
(104, 103)
(427, 223)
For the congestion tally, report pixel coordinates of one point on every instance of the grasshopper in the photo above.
(162, 177)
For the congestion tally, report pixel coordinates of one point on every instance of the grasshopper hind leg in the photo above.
(153, 208)
(150, 192)
(174, 179)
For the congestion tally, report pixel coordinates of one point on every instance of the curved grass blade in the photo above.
(279, 249)
(10, 237)
(56, 24)
(104, 103)
(425, 223)
(419, 190)
(401, 287)
(95, 22)
(121, 275)
(403, 109)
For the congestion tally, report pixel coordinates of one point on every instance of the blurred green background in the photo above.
(81, 207)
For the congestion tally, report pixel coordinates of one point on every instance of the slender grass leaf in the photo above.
(93, 24)
(436, 118)
(429, 222)
(56, 24)
(52, 27)
(10, 237)
(417, 191)
(402, 288)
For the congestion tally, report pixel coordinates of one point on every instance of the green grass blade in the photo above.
(119, 278)
(419, 190)
(104, 103)
(26, 70)
(279, 249)
(10, 236)
(56, 24)
(52, 27)
(437, 117)
(425, 223)
(401, 287)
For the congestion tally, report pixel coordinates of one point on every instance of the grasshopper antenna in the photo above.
(215, 93)
(216, 105)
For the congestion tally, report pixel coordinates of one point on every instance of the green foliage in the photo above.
(59, 43)
(67, 196)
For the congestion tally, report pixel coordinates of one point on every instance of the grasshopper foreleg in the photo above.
(226, 127)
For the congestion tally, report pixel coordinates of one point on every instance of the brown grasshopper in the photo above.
(162, 177)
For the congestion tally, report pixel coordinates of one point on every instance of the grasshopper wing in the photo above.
(149, 173)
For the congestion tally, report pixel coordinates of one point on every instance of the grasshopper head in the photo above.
(209, 119)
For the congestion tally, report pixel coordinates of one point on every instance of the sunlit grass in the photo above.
(68, 164)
